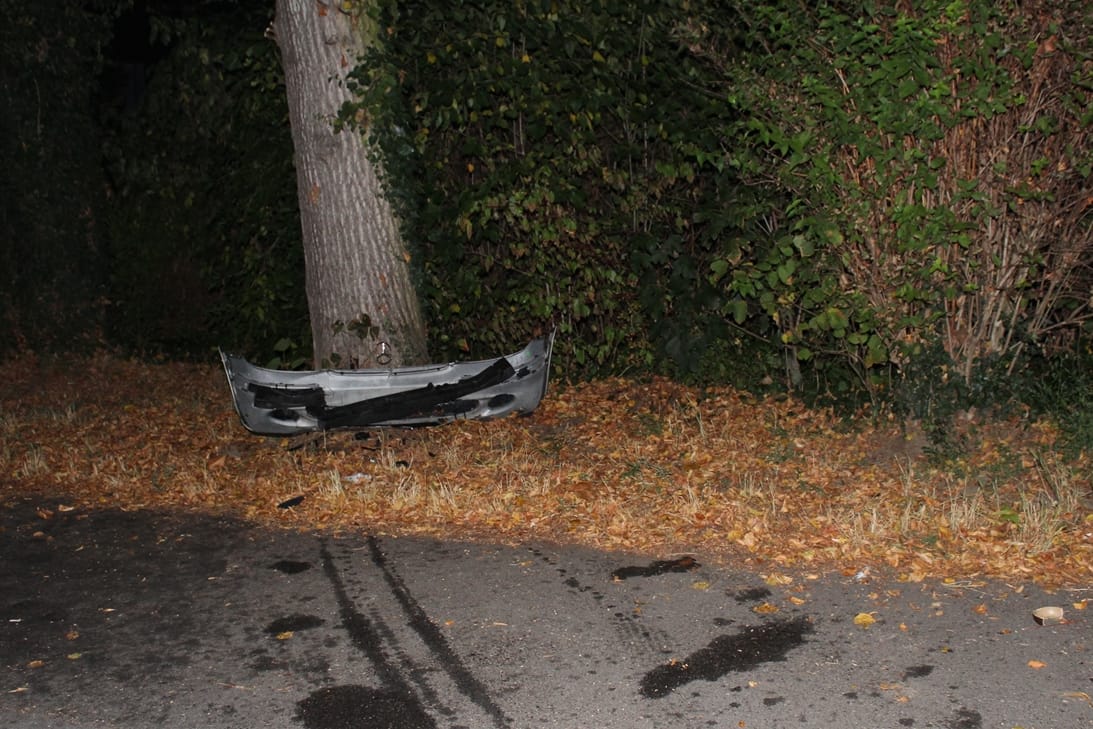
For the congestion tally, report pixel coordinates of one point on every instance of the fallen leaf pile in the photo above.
(647, 466)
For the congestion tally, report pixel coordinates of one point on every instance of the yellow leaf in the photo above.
(1037, 665)
(864, 619)
(36, 664)
(700, 585)
(73, 656)
(765, 609)
(284, 635)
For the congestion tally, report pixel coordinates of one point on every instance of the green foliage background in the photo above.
(547, 159)
(922, 154)
(738, 191)
(856, 200)
(148, 202)
(204, 229)
(52, 272)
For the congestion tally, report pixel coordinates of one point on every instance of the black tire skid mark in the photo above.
(415, 672)
(364, 633)
(419, 621)
(630, 630)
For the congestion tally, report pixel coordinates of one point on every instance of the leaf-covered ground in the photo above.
(644, 466)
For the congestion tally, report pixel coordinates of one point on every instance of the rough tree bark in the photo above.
(363, 307)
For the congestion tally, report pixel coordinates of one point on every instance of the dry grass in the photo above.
(649, 466)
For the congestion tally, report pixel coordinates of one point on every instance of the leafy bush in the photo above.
(543, 156)
(936, 164)
(204, 230)
(847, 199)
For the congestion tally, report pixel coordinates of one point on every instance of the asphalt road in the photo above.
(114, 619)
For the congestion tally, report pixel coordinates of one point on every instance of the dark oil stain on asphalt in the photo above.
(360, 707)
(290, 567)
(917, 672)
(293, 623)
(745, 650)
(752, 594)
(683, 564)
(966, 719)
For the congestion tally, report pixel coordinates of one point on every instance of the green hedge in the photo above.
(729, 191)
(548, 159)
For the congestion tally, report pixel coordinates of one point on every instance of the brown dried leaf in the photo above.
(615, 464)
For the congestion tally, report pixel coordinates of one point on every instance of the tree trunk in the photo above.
(364, 310)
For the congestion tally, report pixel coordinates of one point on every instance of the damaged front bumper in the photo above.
(282, 403)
